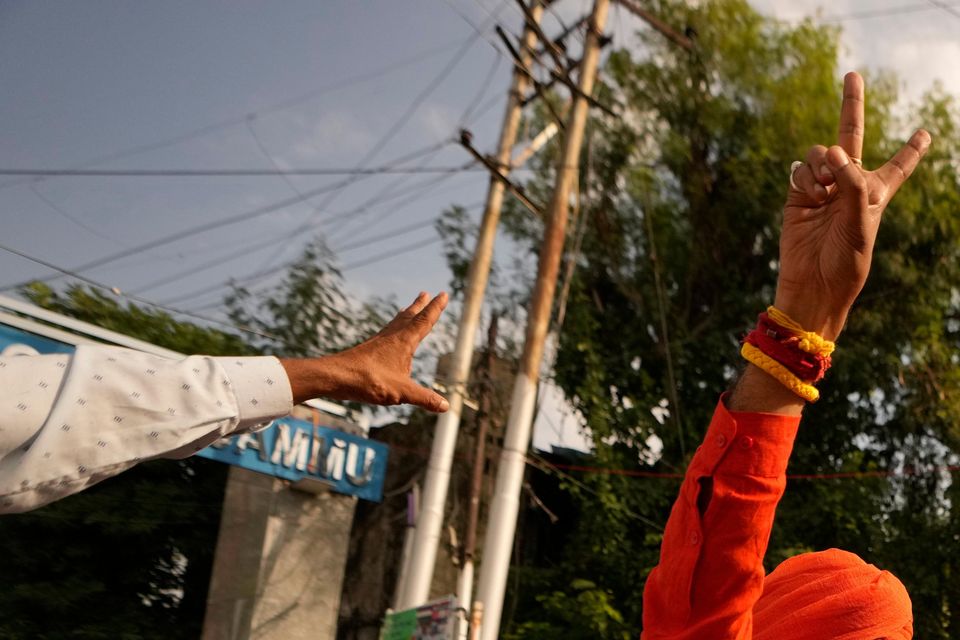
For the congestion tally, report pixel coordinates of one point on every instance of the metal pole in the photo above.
(502, 524)
(417, 579)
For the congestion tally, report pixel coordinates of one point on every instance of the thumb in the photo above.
(422, 397)
(851, 183)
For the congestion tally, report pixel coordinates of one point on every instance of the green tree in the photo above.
(682, 204)
(309, 313)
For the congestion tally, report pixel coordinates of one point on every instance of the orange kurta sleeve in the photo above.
(711, 560)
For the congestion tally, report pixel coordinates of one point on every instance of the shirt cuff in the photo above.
(261, 387)
(755, 444)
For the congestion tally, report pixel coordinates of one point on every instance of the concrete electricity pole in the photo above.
(502, 524)
(415, 587)
(465, 582)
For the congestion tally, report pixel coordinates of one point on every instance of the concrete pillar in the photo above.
(280, 561)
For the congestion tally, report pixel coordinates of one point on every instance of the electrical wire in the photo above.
(260, 274)
(229, 173)
(53, 206)
(300, 196)
(398, 125)
(472, 112)
(538, 461)
(945, 7)
(285, 104)
(392, 254)
(116, 291)
(484, 86)
(420, 190)
(236, 253)
(221, 223)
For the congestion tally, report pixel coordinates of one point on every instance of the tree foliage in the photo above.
(682, 198)
(309, 313)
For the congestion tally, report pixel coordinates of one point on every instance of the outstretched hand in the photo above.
(831, 219)
(377, 370)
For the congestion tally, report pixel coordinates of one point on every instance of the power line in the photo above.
(229, 173)
(364, 262)
(537, 461)
(484, 86)
(286, 104)
(133, 298)
(300, 196)
(386, 235)
(943, 5)
(401, 122)
(53, 206)
(420, 190)
(236, 253)
(472, 111)
(268, 271)
(392, 254)
(223, 222)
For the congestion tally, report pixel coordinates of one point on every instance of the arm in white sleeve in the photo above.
(68, 421)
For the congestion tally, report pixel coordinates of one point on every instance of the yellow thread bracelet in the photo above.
(809, 341)
(783, 375)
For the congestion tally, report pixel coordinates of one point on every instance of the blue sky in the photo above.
(315, 84)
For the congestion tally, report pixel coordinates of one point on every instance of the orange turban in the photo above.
(832, 594)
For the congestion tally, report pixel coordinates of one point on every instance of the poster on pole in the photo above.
(435, 620)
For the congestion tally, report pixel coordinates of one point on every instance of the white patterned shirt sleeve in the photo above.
(68, 421)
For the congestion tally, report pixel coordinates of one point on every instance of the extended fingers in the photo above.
(898, 168)
(851, 116)
(424, 320)
(417, 305)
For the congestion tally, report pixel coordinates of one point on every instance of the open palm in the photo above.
(831, 219)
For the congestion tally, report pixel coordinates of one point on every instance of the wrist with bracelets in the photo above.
(798, 359)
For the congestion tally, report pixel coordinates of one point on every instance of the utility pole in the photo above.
(502, 524)
(465, 582)
(679, 39)
(416, 580)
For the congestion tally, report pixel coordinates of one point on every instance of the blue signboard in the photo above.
(296, 450)
(11, 336)
(290, 449)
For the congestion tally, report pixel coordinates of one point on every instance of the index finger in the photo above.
(850, 135)
(428, 317)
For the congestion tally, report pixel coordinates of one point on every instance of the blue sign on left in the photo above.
(290, 449)
(13, 336)
(296, 450)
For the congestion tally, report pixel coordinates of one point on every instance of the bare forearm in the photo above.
(758, 392)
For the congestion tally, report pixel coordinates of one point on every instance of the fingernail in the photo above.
(444, 405)
(819, 191)
(824, 170)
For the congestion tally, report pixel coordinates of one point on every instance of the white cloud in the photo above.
(437, 121)
(333, 134)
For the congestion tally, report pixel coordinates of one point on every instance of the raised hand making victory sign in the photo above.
(710, 582)
(831, 218)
